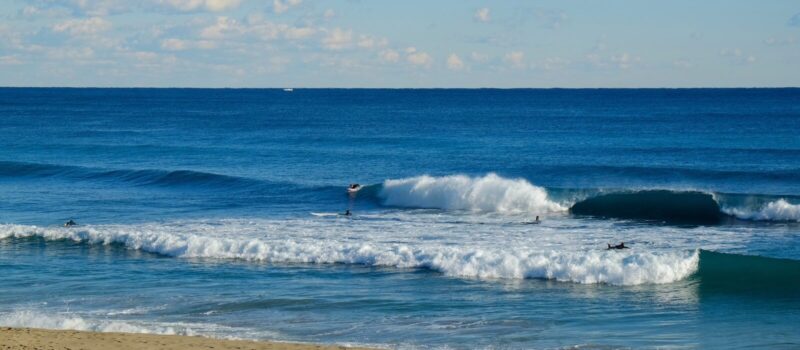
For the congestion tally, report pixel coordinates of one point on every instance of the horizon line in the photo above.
(400, 88)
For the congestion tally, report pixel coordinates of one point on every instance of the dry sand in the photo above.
(27, 338)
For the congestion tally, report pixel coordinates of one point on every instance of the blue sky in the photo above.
(409, 43)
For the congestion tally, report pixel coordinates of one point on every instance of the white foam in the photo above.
(515, 254)
(37, 319)
(490, 193)
(779, 210)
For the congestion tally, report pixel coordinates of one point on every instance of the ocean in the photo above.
(217, 212)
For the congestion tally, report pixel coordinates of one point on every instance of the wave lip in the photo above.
(688, 207)
(489, 193)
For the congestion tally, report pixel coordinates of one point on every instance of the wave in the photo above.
(631, 267)
(49, 320)
(505, 260)
(681, 207)
(489, 193)
(779, 210)
(661, 205)
(146, 177)
(746, 273)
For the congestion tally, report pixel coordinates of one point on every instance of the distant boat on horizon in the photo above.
(288, 89)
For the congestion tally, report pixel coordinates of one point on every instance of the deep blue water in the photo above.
(215, 212)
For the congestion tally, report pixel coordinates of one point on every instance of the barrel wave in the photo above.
(659, 205)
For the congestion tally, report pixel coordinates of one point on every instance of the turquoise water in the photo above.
(215, 212)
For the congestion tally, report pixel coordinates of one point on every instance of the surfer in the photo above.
(534, 222)
(347, 213)
(621, 245)
(353, 188)
(70, 223)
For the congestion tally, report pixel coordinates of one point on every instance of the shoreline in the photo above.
(51, 339)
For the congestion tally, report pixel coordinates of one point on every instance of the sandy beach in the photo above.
(27, 338)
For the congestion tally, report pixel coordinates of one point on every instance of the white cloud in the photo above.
(196, 5)
(145, 55)
(338, 39)
(298, 32)
(281, 6)
(329, 13)
(418, 58)
(223, 27)
(554, 63)
(516, 59)
(10, 59)
(90, 8)
(479, 57)
(368, 42)
(737, 55)
(781, 42)
(70, 53)
(550, 18)
(482, 15)
(174, 44)
(624, 60)
(454, 62)
(389, 55)
(88, 26)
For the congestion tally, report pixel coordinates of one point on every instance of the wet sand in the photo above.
(27, 338)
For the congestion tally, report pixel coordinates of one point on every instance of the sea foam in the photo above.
(489, 193)
(49, 320)
(509, 260)
(779, 210)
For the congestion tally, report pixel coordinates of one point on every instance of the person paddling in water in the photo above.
(70, 223)
(621, 245)
(534, 222)
(347, 213)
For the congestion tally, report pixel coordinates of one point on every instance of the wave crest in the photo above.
(490, 193)
(779, 210)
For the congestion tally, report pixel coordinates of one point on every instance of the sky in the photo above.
(400, 43)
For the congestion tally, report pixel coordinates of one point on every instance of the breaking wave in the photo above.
(37, 319)
(631, 267)
(490, 193)
(779, 210)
